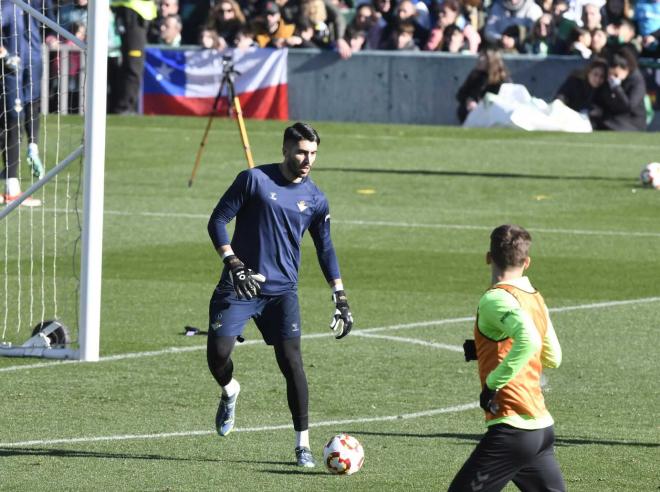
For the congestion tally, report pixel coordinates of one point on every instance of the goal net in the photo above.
(48, 58)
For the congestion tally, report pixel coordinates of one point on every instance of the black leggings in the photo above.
(289, 360)
(525, 457)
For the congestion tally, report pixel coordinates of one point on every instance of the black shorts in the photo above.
(277, 317)
(506, 454)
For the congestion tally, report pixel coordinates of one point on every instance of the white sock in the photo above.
(231, 388)
(12, 187)
(33, 149)
(302, 439)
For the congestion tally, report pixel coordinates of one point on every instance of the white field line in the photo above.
(432, 138)
(383, 223)
(358, 332)
(164, 435)
(415, 341)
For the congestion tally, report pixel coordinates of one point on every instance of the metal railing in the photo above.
(58, 79)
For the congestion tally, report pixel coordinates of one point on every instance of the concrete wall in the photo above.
(391, 87)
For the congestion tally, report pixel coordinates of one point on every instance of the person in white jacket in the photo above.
(505, 13)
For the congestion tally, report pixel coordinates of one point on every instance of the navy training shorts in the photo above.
(277, 317)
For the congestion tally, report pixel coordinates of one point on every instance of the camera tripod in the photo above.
(229, 74)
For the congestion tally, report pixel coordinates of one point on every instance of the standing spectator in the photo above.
(512, 39)
(271, 30)
(575, 9)
(209, 40)
(615, 11)
(598, 42)
(303, 36)
(383, 17)
(647, 15)
(165, 9)
(579, 89)
(505, 13)
(194, 14)
(170, 31)
(74, 88)
(226, 18)
(541, 40)
(402, 39)
(489, 74)
(245, 39)
(356, 39)
(114, 60)
(363, 22)
(315, 13)
(72, 11)
(580, 41)
(453, 41)
(405, 12)
(622, 98)
(450, 15)
(591, 17)
(132, 17)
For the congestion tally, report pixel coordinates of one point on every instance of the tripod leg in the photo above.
(198, 158)
(243, 131)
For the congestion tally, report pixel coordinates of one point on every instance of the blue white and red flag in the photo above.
(187, 82)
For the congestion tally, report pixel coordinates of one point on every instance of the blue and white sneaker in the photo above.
(224, 417)
(304, 457)
(34, 161)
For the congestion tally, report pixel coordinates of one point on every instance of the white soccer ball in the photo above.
(650, 175)
(343, 455)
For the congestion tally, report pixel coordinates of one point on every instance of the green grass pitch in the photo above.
(412, 209)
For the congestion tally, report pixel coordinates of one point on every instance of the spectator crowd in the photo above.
(584, 28)
(606, 33)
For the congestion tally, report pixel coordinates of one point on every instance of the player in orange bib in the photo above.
(514, 340)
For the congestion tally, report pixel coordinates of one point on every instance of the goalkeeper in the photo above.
(514, 339)
(274, 205)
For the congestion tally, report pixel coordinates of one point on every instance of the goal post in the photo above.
(92, 150)
(94, 172)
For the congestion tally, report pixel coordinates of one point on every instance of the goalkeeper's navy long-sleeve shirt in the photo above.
(272, 215)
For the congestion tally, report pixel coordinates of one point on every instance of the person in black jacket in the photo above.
(579, 89)
(489, 74)
(622, 98)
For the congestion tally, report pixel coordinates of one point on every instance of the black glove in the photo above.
(487, 400)
(247, 282)
(469, 350)
(342, 320)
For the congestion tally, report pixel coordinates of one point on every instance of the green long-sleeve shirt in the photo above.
(501, 317)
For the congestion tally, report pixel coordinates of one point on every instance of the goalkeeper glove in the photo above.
(247, 282)
(469, 350)
(342, 320)
(487, 400)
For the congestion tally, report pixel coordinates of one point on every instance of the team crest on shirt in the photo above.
(302, 206)
(273, 195)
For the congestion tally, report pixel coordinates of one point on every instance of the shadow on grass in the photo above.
(297, 471)
(435, 435)
(470, 174)
(73, 453)
(559, 441)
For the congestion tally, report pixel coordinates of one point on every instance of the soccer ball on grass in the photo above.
(650, 175)
(343, 455)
